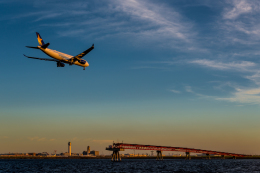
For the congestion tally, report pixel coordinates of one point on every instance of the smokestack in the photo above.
(69, 148)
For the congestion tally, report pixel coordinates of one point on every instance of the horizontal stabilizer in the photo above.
(32, 47)
(45, 46)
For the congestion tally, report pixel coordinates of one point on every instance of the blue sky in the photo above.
(178, 73)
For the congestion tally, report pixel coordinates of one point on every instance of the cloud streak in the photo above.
(139, 21)
(249, 95)
(238, 66)
(157, 17)
(239, 7)
(39, 139)
(175, 91)
(102, 141)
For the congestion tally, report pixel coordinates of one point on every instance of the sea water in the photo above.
(129, 165)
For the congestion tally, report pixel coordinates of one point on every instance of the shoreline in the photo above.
(122, 158)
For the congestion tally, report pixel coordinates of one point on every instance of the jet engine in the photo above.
(60, 64)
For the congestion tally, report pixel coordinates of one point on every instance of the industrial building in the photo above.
(94, 153)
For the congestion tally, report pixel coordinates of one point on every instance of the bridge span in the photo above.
(116, 147)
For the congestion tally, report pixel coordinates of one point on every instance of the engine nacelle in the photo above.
(60, 64)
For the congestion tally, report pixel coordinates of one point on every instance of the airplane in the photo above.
(60, 58)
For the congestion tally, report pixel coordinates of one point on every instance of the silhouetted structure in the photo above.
(94, 153)
(69, 148)
(88, 150)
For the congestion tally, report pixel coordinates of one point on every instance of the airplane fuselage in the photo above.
(62, 56)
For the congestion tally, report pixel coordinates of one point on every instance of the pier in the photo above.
(116, 147)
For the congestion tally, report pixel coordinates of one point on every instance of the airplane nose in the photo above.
(87, 64)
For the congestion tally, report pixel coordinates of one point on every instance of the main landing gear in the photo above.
(84, 68)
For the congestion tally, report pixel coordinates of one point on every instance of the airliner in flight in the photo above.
(59, 57)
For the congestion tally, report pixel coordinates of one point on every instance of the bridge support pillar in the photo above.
(116, 156)
(187, 156)
(222, 156)
(207, 156)
(159, 155)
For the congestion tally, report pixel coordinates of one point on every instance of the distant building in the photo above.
(42, 154)
(87, 152)
(31, 154)
(94, 153)
(129, 155)
(65, 154)
(76, 154)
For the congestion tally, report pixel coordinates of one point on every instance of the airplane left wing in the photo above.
(45, 59)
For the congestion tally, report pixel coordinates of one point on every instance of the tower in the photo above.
(88, 150)
(69, 148)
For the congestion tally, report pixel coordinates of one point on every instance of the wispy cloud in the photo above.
(168, 21)
(75, 139)
(188, 89)
(240, 23)
(175, 91)
(251, 96)
(102, 141)
(239, 7)
(36, 138)
(203, 96)
(139, 21)
(238, 65)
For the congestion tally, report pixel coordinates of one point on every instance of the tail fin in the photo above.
(41, 42)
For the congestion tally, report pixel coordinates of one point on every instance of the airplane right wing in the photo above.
(45, 59)
(79, 56)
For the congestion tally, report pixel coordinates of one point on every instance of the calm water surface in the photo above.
(129, 166)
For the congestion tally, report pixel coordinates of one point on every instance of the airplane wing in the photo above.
(79, 56)
(32, 47)
(45, 59)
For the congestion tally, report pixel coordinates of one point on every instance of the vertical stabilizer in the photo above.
(41, 42)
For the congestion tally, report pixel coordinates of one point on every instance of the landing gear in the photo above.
(84, 68)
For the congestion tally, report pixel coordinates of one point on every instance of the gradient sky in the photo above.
(178, 73)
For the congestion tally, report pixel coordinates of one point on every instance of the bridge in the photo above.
(116, 147)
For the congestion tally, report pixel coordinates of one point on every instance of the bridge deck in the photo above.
(168, 148)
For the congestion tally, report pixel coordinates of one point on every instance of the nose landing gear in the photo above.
(84, 68)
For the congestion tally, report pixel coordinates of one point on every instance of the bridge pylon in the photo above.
(115, 154)
(159, 155)
(187, 156)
